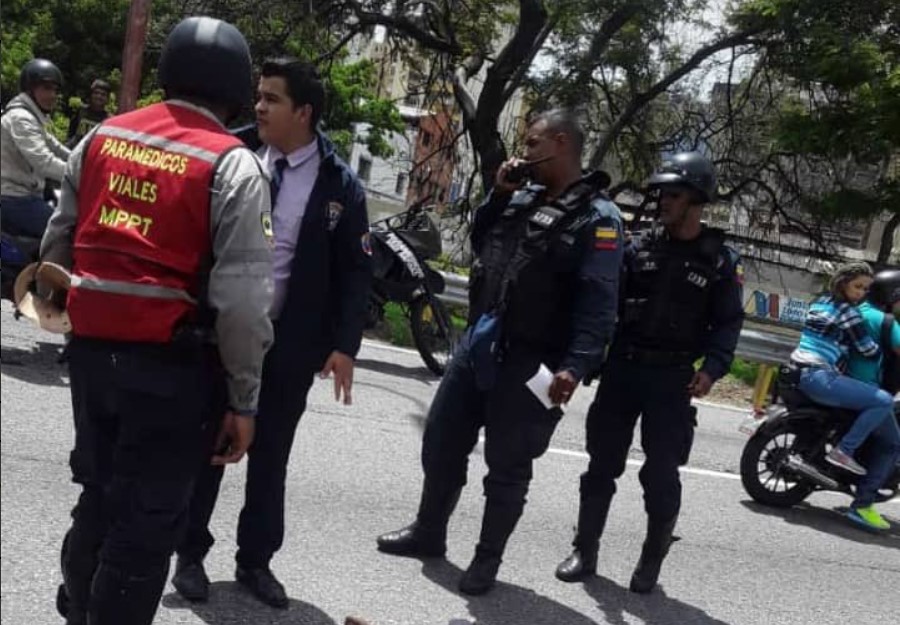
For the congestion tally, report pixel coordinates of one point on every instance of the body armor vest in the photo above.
(528, 267)
(665, 304)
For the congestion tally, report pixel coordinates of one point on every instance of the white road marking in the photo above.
(637, 463)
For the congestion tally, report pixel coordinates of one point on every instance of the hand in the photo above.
(700, 384)
(234, 438)
(562, 387)
(342, 367)
(500, 182)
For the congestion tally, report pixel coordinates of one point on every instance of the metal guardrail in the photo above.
(755, 345)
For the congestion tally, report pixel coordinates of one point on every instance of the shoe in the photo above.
(840, 459)
(62, 606)
(655, 549)
(191, 581)
(869, 518)
(264, 585)
(580, 564)
(413, 541)
(481, 575)
(592, 512)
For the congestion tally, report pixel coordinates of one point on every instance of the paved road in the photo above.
(355, 474)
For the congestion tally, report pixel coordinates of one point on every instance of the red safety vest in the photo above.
(143, 230)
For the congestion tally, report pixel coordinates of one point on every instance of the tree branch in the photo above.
(640, 100)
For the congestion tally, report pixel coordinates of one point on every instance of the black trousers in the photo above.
(658, 394)
(285, 386)
(517, 428)
(143, 426)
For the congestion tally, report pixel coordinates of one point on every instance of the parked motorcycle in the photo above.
(784, 462)
(401, 245)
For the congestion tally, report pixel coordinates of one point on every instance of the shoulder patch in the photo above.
(606, 208)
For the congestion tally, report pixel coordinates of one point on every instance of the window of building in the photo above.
(364, 169)
(426, 138)
(400, 189)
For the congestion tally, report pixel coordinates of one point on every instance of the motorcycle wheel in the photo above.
(764, 473)
(433, 332)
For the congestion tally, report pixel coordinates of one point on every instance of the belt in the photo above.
(653, 357)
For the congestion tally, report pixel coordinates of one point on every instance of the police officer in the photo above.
(160, 221)
(681, 300)
(543, 292)
(31, 155)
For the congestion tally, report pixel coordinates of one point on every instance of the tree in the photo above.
(85, 39)
(630, 48)
(840, 62)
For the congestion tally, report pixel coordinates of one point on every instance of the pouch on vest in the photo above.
(484, 350)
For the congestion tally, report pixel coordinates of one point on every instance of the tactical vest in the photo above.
(143, 236)
(666, 298)
(528, 266)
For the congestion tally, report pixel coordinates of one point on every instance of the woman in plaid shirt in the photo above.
(832, 329)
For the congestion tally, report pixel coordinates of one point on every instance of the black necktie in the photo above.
(277, 177)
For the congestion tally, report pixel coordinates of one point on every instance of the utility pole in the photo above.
(133, 54)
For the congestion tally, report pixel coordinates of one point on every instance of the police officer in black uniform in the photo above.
(543, 291)
(681, 300)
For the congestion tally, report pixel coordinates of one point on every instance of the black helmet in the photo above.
(207, 58)
(101, 85)
(687, 168)
(885, 289)
(37, 71)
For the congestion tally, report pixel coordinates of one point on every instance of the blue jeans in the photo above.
(880, 462)
(25, 216)
(830, 388)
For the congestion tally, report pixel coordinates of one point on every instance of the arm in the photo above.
(240, 281)
(43, 152)
(854, 326)
(352, 261)
(487, 214)
(596, 300)
(56, 245)
(726, 319)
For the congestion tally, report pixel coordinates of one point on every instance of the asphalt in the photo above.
(355, 473)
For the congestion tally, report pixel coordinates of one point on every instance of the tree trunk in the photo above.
(887, 238)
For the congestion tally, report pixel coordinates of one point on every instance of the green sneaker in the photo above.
(868, 517)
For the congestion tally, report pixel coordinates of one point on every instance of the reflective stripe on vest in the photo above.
(130, 288)
(143, 234)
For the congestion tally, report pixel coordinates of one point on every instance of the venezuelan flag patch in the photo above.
(606, 239)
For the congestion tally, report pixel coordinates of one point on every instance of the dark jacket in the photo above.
(325, 306)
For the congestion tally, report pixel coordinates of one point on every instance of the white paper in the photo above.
(539, 385)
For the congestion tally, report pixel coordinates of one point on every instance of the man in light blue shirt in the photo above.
(871, 369)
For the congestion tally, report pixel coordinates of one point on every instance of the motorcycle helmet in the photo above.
(691, 169)
(37, 71)
(885, 290)
(207, 58)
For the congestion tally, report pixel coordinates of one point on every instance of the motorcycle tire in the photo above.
(756, 453)
(432, 328)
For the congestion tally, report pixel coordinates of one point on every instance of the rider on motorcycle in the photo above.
(834, 328)
(30, 153)
(885, 439)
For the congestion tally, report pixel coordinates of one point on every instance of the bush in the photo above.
(744, 371)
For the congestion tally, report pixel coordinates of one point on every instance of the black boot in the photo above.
(117, 597)
(656, 547)
(582, 562)
(499, 521)
(63, 606)
(190, 580)
(427, 535)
